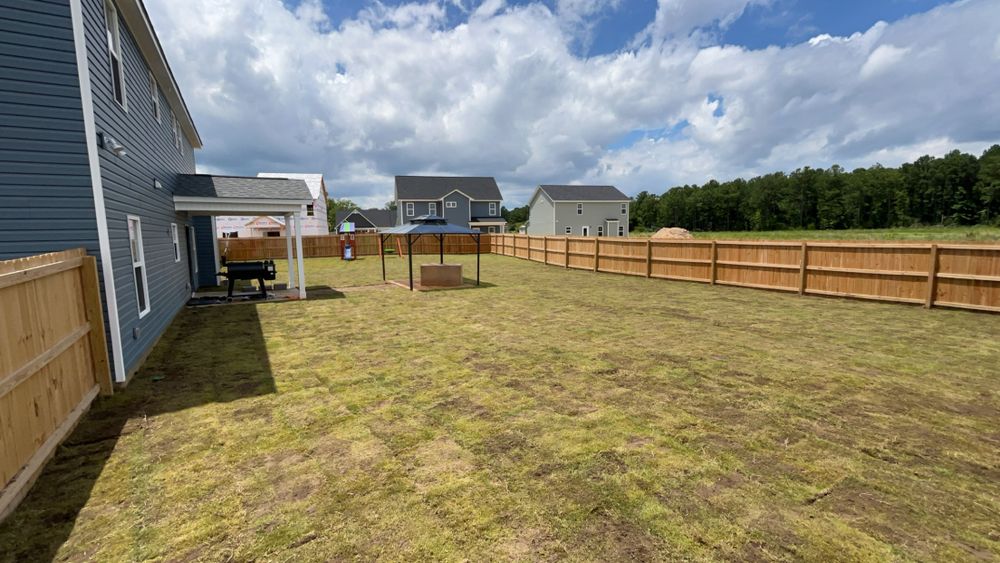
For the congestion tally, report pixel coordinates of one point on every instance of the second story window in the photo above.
(310, 210)
(409, 209)
(432, 208)
(579, 209)
(115, 52)
(154, 96)
(176, 130)
(624, 208)
(493, 209)
(451, 204)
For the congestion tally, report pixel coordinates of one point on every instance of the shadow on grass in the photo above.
(208, 355)
(322, 292)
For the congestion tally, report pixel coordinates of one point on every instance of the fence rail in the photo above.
(965, 276)
(328, 246)
(53, 360)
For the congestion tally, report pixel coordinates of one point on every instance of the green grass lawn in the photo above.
(979, 233)
(553, 414)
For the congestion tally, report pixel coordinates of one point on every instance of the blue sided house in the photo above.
(97, 151)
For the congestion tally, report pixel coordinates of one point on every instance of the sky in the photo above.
(640, 94)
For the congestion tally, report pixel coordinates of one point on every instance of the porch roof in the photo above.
(240, 195)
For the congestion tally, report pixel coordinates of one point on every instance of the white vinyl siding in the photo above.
(115, 52)
(138, 264)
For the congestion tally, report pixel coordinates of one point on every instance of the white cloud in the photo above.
(397, 91)
(882, 58)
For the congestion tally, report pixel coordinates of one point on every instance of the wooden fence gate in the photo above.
(53, 360)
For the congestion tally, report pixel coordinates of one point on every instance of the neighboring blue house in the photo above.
(94, 140)
(472, 201)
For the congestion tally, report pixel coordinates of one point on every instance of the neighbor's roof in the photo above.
(436, 187)
(314, 181)
(488, 220)
(583, 193)
(378, 217)
(241, 187)
(430, 225)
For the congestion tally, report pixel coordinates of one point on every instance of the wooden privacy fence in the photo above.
(326, 246)
(965, 276)
(53, 360)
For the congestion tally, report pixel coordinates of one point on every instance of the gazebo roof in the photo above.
(429, 225)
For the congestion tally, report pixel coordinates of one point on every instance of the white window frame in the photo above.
(585, 231)
(493, 209)
(409, 209)
(621, 230)
(310, 210)
(154, 96)
(175, 239)
(450, 204)
(176, 129)
(600, 230)
(492, 230)
(135, 246)
(624, 209)
(579, 209)
(113, 32)
(569, 230)
(432, 208)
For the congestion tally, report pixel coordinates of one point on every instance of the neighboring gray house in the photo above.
(472, 202)
(579, 211)
(95, 139)
(366, 220)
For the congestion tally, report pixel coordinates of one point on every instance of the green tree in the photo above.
(988, 184)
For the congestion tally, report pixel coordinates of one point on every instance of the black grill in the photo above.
(260, 271)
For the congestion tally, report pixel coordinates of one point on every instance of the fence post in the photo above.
(649, 257)
(597, 252)
(803, 264)
(545, 249)
(566, 251)
(932, 277)
(95, 316)
(714, 255)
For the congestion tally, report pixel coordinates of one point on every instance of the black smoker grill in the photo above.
(259, 271)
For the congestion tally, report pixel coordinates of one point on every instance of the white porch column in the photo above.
(288, 249)
(298, 252)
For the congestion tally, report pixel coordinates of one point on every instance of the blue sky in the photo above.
(641, 94)
(781, 22)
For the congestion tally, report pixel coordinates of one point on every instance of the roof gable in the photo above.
(478, 188)
(377, 217)
(583, 193)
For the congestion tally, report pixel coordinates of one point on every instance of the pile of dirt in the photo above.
(675, 233)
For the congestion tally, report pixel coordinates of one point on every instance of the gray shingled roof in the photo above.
(379, 217)
(436, 187)
(583, 193)
(208, 185)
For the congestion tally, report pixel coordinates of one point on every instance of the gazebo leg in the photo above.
(477, 259)
(409, 253)
(441, 247)
(381, 252)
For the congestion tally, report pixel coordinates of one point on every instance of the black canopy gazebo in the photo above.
(432, 225)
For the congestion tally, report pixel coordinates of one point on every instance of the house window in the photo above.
(493, 229)
(310, 210)
(569, 230)
(177, 243)
(451, 204)
(138, 265)
(115, 52)
(493, 209)
(176, 131)
(154, 96)
(409, 209)
(600, 230)
(432, 208)
(624, 209)
(579, 209)
(621, 230)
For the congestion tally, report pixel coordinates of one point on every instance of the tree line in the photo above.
(956, 189)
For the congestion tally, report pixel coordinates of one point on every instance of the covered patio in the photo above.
(207, 195)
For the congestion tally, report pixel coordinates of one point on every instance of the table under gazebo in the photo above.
(430, 225)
